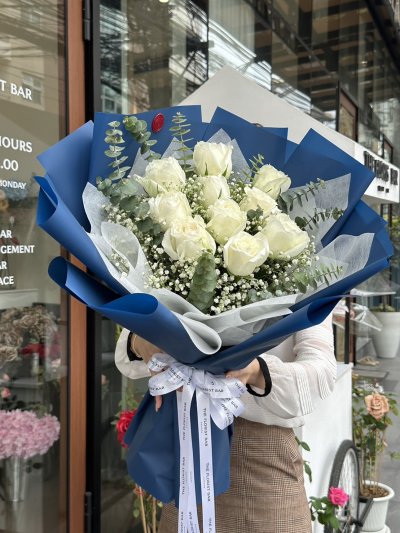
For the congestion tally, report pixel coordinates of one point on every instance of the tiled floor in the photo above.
(391, 469)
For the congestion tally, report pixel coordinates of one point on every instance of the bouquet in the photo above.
(28, 330)
(215, 248)
(24, 434)
(372, 410)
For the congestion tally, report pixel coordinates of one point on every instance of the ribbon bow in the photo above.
(217, 399)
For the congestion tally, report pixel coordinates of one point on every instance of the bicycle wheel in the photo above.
(345, 474)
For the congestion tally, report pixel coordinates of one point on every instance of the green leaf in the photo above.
(114, 124)
(118, 162)
(117, 174)
(114, 132)
(145, 225)
(317, 504)
(204, 281)
(307, 470)
(103, 185)
(129, 204)
(114, 139)
(111, 153)
(142, 209)
(127, 187)
(334, 522)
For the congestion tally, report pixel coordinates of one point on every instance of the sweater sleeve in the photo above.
(130, 369)
(298, 385)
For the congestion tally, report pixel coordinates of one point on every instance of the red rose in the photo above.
(125, 418)
(5, 393)
(337, 496)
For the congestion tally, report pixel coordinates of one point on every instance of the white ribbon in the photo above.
(217, 399)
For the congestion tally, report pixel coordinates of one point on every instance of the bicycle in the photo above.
(345, 474)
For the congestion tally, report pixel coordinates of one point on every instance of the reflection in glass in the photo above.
(33, 327)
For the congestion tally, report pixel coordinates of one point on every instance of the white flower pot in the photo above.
(375, 522)
(387, 341)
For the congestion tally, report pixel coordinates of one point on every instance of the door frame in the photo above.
(76, 115)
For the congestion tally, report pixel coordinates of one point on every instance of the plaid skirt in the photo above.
(266, 493)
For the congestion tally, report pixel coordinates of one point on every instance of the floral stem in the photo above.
(142, 512)
(154, 515)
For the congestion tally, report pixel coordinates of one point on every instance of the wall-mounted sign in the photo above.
(385, 186)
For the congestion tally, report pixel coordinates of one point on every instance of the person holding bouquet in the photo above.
(267, 493)
(217, 244)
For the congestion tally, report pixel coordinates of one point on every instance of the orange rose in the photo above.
(377, 405)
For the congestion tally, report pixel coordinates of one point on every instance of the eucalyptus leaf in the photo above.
(118, 162)
(204, 282)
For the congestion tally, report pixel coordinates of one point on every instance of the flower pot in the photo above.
(376, 518)
(13, 479)
(387, 341)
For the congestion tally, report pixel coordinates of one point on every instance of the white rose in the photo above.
(162, 175)
(243, 253)
(213, 159)
(213, 188)
(256, 198)
(225, 219)
(169, 206)
(187, 239)
(272, 181)
(284, 236)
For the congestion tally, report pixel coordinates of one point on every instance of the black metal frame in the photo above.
(91, 34)
(94, 428)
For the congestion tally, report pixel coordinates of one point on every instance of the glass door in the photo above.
(33, 312)
(151, 54)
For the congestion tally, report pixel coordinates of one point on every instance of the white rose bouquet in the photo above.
(196, 213)
(214, 250)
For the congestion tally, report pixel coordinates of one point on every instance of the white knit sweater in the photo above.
(302, 368)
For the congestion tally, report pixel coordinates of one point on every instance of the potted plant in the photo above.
(387, 340)
(371, 417)
(23, 435)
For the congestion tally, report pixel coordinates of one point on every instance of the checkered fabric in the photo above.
(267, 492)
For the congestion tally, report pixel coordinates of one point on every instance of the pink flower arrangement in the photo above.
(24, 434)
(338, 496)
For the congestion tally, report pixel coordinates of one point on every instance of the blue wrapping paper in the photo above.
(153, 455)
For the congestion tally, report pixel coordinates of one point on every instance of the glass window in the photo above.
(154, 54)
(345, 38)
(33, 314)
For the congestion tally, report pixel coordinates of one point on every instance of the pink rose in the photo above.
(338, 496)
(5, 377)
(377, 405)
(5, 393)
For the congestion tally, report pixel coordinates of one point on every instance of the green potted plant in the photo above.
(372, 410)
